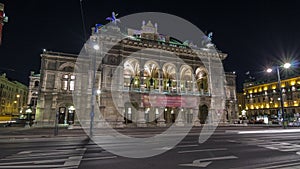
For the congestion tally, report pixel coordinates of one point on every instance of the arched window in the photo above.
(132, 73)
(169, 76)
(186, 81)
(151, 74)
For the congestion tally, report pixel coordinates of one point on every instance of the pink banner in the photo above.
(169, 101)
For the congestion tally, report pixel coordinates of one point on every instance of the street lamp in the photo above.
(96, 47)
(269, 70)
(28, 113)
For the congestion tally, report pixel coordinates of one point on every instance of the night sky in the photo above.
(254, 33)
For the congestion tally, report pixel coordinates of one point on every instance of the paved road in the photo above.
(227, 148)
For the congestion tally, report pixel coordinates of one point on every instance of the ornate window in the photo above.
(68, 82)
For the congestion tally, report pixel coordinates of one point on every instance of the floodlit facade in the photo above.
(13, 98)
(135, 87)
(262, 100)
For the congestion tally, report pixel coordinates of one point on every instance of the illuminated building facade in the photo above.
(13, 98)
(181, 86)
(262, 100)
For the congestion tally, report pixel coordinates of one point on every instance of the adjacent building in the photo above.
(13, 98)
(262, 100)
(149, 88)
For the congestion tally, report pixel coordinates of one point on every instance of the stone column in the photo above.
(161, 122)
(179, 121)
(193, 83)
(160, 84)
(141, 122)
(196, 121)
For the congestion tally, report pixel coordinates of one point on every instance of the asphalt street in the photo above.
(228, 147)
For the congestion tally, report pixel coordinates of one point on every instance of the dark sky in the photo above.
(253, 33)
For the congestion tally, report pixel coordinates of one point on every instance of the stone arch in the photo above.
(68, 67)
(186, 78)
(202, 79)
(203, 113)
(131, 73)
(169, 71)
(151, 74)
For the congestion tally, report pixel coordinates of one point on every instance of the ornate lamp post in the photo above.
(269, 70)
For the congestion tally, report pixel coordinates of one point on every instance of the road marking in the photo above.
(36, 159)
(202, 150)
(99, 158)
(196, 164)
(269, 131)
(34, 162)
(192, 145)
(31, 166)
(279, 146)
(206, 161)
(282, 165)
(73, 161)
(163, 148)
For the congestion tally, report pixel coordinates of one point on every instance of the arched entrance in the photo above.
(203, 113)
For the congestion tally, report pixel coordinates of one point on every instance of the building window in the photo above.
(72, 82)
(36, 84)
(68, 82)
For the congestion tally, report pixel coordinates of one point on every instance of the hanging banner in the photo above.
(169, 101)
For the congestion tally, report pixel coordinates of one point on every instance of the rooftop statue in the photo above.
(113, 18)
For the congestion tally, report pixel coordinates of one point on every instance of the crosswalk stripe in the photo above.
(202, 150)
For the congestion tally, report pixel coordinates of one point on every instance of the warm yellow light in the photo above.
(251, 107)
(260, 89)
(293, 82)
(250, 91)
(255, 90)
(276, 105)
(296, 103)
(262, 106)
(285, 104)
(18, 95)
(298, 82)
(257, 107)
(274, 87)
(267, 105)
(15, 101)
(265, 88)
(246, 108)
(245, 93)
(283, 85)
